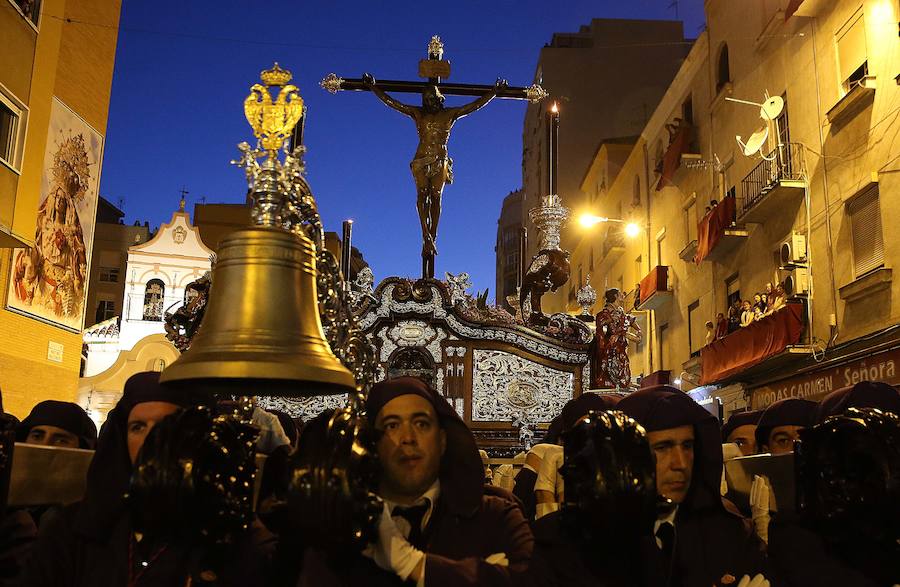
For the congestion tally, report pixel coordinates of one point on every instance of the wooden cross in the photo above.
(432, 166)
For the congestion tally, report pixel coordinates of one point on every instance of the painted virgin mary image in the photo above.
(50, 278)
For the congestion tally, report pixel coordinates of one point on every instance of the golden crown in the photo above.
(276, 76)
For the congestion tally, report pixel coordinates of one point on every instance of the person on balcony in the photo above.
(747, 314)
(710, 332)
(776, 297)
(759, 306)
(734, 315)
(722, 328)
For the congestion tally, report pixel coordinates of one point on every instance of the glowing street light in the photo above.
(589, 220)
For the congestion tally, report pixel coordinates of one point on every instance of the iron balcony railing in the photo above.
(785, 162)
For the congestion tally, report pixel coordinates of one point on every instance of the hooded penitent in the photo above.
(738, 420)
(610, 480)
(576, 408)
(710, 542)
(787, 412)
(865, 394)
(848, 481)
(663, 407)
(461, 473)
(110, 470)
(66, 415)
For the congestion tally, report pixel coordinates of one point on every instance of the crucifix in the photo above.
(432, 166)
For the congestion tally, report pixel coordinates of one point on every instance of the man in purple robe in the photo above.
(438, 526)
(700, 543)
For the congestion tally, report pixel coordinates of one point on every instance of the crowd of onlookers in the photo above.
(743, 313)
(625, 489)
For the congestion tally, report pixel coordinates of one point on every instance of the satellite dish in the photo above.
(755, 142)
(771, 108)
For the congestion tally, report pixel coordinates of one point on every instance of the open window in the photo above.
(853, 62)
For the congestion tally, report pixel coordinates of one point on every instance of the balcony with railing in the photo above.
(614, 243)
(718, 234)
(767, 344)
(774, 185)
(654, 289)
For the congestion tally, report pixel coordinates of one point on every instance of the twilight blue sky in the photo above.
(184, 68)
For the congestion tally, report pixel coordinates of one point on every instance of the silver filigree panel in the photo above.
(303, 407)
(411, 333)
(387, 305)
(506, 385)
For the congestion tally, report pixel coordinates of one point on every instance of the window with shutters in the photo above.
(851, 52)
(865, 231)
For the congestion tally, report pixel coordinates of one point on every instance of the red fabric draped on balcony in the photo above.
(711, 228)
(672, 157)
(752, 344)
(655, 281)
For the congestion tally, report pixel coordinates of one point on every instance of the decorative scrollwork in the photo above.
(506, 386)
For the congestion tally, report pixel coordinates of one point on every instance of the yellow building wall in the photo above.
(75, 63)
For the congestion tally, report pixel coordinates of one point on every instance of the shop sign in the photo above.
(818, 384)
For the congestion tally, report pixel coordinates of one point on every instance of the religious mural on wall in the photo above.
(49, 280)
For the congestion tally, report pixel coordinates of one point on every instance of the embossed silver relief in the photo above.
(411, 333)
(439, 381)
(506, 386)
(303, 407)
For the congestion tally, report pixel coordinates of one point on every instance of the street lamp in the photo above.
(589, 220)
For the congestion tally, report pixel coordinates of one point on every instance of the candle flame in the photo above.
(554, 109)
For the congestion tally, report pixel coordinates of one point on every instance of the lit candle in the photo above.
(552, 148)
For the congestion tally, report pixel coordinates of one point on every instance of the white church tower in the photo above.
(156, 275)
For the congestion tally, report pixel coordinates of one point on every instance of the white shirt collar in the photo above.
(430, 497)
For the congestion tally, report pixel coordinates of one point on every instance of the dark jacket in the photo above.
(466, 527)
(800, 558)
(561, 559)
(455, 545)
(710, 541)
(64, 557)
(88, 543)
(17, 534)
(524, 490)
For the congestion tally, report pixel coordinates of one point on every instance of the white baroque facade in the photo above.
(156, 276)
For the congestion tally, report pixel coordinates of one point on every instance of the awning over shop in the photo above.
(712, 227)
(752, 344)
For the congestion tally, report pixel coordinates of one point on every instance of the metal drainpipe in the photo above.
(651, 315)
(828, 230)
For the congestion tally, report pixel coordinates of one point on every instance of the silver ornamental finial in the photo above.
(535, 93)
(549, 218)
(586, 297)
(435, 48)
(331, 83)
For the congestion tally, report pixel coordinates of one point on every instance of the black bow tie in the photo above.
(413, 515)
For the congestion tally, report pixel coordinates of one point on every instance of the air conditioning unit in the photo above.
(794, 250)
(796, 282)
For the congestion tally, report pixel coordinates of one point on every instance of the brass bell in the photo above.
(261, 333)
